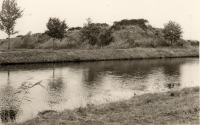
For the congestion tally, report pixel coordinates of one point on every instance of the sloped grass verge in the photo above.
(43, 56)
(173, 107)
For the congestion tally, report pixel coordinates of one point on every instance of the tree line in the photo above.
(94, 33)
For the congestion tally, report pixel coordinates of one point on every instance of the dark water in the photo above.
(72, 85)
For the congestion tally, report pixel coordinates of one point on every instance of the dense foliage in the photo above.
(90, 32)
(172, 31)
(96, 33)
(56, 28)
(106, 38)
(74, 28)
(140, 22)
(9, 14)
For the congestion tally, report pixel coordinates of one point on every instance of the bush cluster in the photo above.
(106, 38)
(91, 33)
(96, 33)
(194, 42)
(31, 41)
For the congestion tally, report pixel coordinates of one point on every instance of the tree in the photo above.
(56, 28)
(172, 31)
(8, 16)
(90, 32)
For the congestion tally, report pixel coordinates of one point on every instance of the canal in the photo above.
(26, 90)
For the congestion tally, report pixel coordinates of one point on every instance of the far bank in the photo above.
(64, 55)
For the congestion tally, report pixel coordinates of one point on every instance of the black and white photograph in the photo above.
(99, 62)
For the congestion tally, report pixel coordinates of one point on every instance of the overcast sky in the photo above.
(75, 12)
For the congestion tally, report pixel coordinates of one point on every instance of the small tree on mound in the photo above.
(8, 16)
(172, 31)
(56, 29)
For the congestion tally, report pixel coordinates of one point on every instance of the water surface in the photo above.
(73, 85)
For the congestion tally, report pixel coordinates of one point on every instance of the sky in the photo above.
(157, 12)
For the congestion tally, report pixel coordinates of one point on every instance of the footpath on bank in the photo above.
(45, 56)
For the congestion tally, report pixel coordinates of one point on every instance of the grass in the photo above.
(39, 56)
(173, 107)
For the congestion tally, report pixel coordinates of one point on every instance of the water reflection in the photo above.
(74, 85)
(55, 89)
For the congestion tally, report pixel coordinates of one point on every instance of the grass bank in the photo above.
(173, 107)
(42, 56)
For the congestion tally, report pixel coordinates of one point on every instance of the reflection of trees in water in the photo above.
(55, 89)
(118, 68)
(141, 68)
(131, 70)
(91, 75)
(172, 72)
(125, 69)
(172, 67)
(89, 82)
(56, 84)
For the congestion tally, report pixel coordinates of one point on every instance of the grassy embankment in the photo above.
(39, 56)
(173, 107)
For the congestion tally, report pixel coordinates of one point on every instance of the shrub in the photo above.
(145, 42)
(43, 38)
(90, 32)
(181, 42)
(194, 42)
(28, 41)
(129, 34)
(151, 42)
(162, 42)
(74, 36)
(106, 38)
